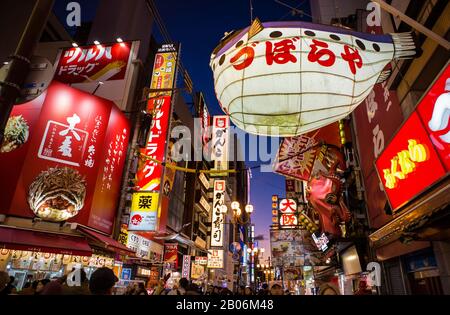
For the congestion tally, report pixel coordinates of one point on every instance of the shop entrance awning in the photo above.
(105, 241)
(18, 239)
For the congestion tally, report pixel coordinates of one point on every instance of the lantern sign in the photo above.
(288, 206)
(217, 217)
(288, 78)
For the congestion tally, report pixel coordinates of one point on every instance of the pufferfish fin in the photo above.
(404, 45)
(255, 28)
(384, 75)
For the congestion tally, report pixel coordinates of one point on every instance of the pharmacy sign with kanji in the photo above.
(144, 212)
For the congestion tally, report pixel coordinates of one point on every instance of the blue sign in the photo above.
(126, 274)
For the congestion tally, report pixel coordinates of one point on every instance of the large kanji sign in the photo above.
(289, 78)
(96, 63)
(65, 158)
(217, 228)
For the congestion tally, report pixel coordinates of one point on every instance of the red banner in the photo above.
(376, 120)
(72, 167)
(149, 175)
(171, 254)
(93, 63)
(297, 155)
(434, 111)
(409, 164)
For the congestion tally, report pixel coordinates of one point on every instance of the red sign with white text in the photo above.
(171, 254)
(68, 172)
(409, 164)
(434, 110)
(149, 175)
(376, 120)
(93, 63)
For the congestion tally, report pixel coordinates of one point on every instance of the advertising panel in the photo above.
(409, 164)
(185, 271)
(220, 143)
(144, 211)
(71, 162)
(376, 120)
(217, 217)
(215, 259)
(294, 247)
(297, 156)
(93, 63)
(171, 254)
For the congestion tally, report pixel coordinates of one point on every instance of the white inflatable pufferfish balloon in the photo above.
(288, 78)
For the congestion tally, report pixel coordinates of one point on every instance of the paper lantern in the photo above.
(298, 76)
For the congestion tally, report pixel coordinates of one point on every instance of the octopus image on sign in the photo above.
(288, 78)
(57, 194)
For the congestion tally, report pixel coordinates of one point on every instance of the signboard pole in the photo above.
(19, 65)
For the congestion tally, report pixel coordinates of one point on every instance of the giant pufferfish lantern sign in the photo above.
(288, 78)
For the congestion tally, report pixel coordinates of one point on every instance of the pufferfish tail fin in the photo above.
(384, 75)
(404, 45)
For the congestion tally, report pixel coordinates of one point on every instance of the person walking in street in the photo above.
(141, 290)
(276, 289)
(102, 281)
(181, 289)
(40, 285)
(4, 279)
(81, 288)
(264, 289)
(10, 288)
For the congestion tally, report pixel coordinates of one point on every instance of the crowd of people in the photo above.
(103, 280)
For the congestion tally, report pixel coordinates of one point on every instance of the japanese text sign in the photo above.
(215, 258)
(72, 132)
(96, 63)
(409, 164)
(185, 271)
(217, 217)
(220, 143)
(289, 78)
(144, 211)
(171, 254)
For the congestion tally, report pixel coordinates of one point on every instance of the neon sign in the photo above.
(404, 163)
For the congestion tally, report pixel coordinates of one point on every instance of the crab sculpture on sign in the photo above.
(288, 78)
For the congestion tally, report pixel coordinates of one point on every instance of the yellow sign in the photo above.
(403, 163)
(144, 202)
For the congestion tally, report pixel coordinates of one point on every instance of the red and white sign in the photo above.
(434, 111)
(217, 226)
(68, 130)
(288, 219)
(149, 175)
(376, 121)
(171, 254)
(288, 206)
(409, 164)
(220, 143)
(201, 260)
(96, 63)
(215, 258)
(185, 271)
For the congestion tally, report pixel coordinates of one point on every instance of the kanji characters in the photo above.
(280, 52)
(319, 53)
(145, 202)
(249, 54)
(73, 121)
(352, 56)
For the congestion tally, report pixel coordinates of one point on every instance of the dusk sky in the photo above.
(199, 25)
